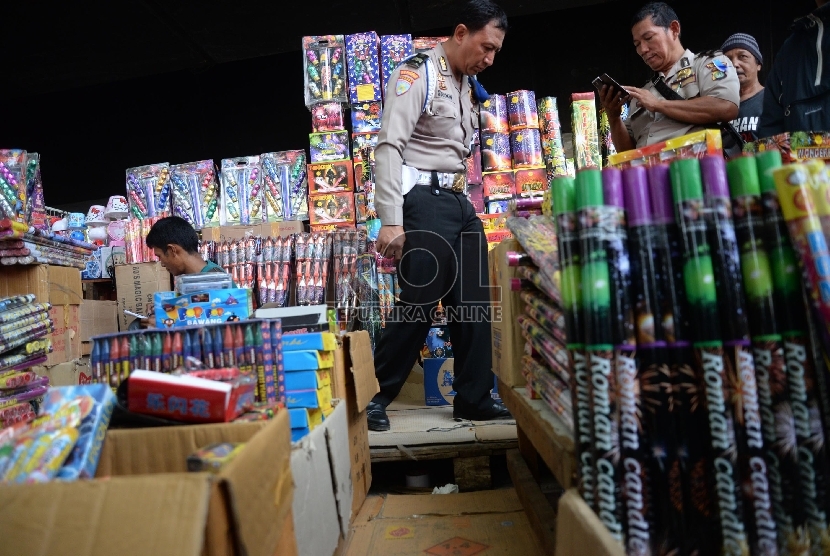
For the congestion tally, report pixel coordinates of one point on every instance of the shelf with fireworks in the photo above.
(697, 359)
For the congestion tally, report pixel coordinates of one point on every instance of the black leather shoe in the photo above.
(488, 411)
(377, 418)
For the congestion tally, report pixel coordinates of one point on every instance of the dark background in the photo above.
(120, 84)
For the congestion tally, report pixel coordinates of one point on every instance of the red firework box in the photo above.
(334, 210)
(327, 116)
(493, 222)
(330, 177)
(499, 185)
(531, 182)
(797, 146)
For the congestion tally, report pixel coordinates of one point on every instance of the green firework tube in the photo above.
(710, 360)
(692, 458)
(798, 217)
(767, 350)
(567, 233)
(741, 392)
(599, 347)
(634, 464)
(665, 515)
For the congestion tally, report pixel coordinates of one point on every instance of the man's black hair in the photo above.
(661, 14)
(476, 14)
(173, 230)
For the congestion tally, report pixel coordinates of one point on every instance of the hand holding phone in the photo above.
(607, 80)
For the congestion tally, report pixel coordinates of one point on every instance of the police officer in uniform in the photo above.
(427, 222)
(707, 83)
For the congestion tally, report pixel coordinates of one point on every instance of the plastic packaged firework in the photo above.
(13, 183)
(362, 141)
(325, 69)
(313, 251)
(327, 116)
(275, 173)
(196, 193)
(241, 190)
(526, 148)
(35, 206)
(366, 117)
(332, 208)
(363, 67)
(584, 124)
(493, 116)
(394, 49)
(495, 152)
(291, 167)
(328, 146)
(274, 272)
(346, 247)
(149, 190)
(522, 111)
(329, 177)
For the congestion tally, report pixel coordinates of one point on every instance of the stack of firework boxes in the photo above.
(309, 361)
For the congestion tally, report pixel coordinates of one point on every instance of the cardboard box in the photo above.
(272, 229)
(579, 532)
(66, 334)
(147, 503)
(70, 373)
(438, 377)
(98, 318)
(102, 260)
(354, 380)
(58, 285)
(135, 285)
(508, 342)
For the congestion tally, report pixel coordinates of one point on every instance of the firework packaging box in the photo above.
(363, 143)
(585, 131)
(422, 44)
(499, 185)
(526, 148)
(208, 307)
(473, 162)
(508, 343)
(493, 116)
(552, 150)
(335, 209)
(325, 70)
(495, 152)
(394, 49)
(522, 112)
(327, 116)
(330, 177)
(329, 146)
(438, 379)
(475, 192)
(797, 146)
(493, 222)
(363, 67)
(361, 207)
(497, 207)
(366, 117)
(530, 182)
(148, 190)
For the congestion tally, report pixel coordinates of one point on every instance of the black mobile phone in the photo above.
(605, 79)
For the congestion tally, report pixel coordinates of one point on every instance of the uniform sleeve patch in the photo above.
(405, 81)
(718, 68)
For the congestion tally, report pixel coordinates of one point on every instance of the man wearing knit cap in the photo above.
(746, 56)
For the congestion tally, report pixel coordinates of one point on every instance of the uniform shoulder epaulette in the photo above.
(708, 54)
(417, 61)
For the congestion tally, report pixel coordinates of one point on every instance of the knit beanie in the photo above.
(747, 42)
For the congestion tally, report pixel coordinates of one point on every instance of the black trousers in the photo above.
(444, 258)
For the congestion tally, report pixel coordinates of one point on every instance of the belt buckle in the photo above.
(459, 182)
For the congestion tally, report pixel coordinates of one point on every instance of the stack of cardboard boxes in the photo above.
(308, 360)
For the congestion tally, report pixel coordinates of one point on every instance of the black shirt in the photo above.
(749, 113)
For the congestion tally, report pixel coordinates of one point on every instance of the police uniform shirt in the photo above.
(690, 77)
(437, 138)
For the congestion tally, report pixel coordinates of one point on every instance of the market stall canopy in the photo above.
(59, 46)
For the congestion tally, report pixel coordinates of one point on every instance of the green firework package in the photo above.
(793, 421)
(768, 355)
(664, 515)
(599, 347)
(696, 504)
(567, 233)
(710, 360)
(741, 393)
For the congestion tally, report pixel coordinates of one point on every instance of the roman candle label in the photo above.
(567, 233)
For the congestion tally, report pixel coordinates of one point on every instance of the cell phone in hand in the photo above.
(605, 79)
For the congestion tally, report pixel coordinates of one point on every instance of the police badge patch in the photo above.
(718, 68)
(405, 81)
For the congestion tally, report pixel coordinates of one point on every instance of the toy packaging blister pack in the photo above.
(149, 190)
(366, 117)
(327, 116)
(363, 67)
(329, 177)
(332, 208)
(325, 69)
(13, 183)
(196, 193)
(394, 49)
(329, 146)
(241, 190)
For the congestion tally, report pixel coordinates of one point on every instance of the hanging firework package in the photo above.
(709, 356)
(567, 233)
(792, 185)
(599, 347)
(697, 505)
(741, 393)
(767, 351)
(653, 370)
(633, 445)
